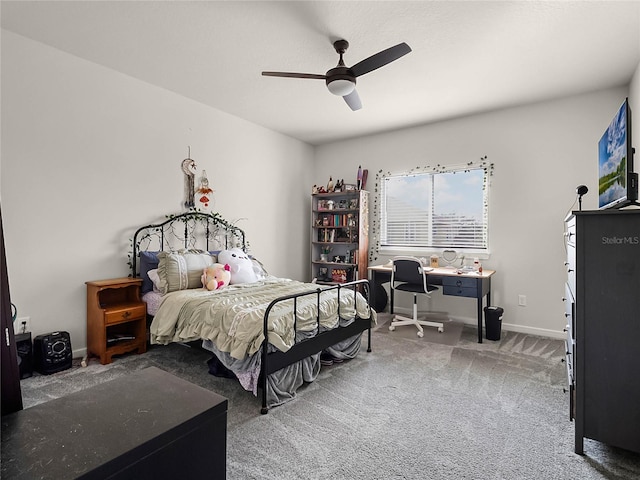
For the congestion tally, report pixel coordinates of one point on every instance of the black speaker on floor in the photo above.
(52, 352)
(24, 349)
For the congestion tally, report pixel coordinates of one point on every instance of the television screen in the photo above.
(615, 161)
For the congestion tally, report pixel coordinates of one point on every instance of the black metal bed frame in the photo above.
(206, 230)
(210, 231)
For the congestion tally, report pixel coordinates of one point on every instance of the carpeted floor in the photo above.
(450, 335)
(410, 409)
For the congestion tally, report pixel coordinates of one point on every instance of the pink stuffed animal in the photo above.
(216, 276)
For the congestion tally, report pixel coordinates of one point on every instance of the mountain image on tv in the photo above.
(612, 153)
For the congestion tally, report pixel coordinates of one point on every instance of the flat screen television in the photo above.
(617, 183)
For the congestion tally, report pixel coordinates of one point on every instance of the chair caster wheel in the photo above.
(440, 330)
(391, 328)
(420, 334)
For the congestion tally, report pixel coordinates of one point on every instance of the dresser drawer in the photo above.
(569, 310)
(569, 359)
(124, 314)
(460, 286)
(570, 266)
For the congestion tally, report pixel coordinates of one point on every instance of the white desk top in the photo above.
(453, 272)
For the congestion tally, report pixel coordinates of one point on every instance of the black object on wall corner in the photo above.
(11, 393)
(24, 348)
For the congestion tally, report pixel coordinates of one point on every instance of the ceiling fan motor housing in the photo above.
(340, 81)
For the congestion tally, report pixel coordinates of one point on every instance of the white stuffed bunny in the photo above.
(240, 264)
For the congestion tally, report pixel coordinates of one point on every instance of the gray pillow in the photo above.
(182, 270)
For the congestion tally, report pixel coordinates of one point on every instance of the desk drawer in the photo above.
(460, 286)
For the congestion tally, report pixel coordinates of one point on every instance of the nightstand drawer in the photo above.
(124, 314)
(460, 286)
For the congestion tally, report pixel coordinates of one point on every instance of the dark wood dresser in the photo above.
(145, 425)
(602, 298)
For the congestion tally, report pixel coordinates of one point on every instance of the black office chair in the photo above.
(408, 275)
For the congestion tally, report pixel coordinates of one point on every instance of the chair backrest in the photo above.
(408, 270)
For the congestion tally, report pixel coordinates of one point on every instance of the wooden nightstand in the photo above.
(116, 318)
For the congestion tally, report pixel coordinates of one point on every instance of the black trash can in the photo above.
(493, 322)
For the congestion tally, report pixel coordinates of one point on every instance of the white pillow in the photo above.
(155, 279)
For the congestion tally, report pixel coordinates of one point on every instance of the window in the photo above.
(432, 209)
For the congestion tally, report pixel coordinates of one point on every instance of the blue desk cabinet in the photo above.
(460, 286)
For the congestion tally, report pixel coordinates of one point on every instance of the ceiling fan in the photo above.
(341, 80)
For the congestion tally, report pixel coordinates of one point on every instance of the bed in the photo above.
(269, 334)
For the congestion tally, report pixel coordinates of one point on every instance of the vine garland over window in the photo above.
(432, 208)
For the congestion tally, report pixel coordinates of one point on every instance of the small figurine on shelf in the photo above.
(314, 189)
(339, 186)
(330, 185)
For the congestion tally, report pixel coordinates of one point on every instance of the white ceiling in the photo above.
(468, 56)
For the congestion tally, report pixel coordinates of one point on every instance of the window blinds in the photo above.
(435, 210)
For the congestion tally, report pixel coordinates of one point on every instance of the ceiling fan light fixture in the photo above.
(341, 87)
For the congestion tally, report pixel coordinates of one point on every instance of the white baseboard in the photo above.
(541, 332)
(79, 353)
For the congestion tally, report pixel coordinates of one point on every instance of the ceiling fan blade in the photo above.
(294, 75)
(353, 100)
(380, 59)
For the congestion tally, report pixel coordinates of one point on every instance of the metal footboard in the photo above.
(276, 360)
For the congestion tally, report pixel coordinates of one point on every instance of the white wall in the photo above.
(89, 155)
(541, 152)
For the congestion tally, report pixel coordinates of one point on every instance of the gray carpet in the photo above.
(450, 335)
(410, 409)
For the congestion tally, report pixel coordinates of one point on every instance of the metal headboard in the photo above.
(191, 230)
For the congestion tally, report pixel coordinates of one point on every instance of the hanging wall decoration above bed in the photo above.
(189, 170)
(205, 192)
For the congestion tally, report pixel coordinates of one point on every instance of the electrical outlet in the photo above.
(522, 300)
(22, 324)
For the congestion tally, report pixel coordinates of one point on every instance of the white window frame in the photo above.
(379, 215)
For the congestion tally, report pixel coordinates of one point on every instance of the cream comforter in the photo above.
(232, 318)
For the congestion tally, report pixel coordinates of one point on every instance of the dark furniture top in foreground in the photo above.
(146, 425)
(470, 285)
